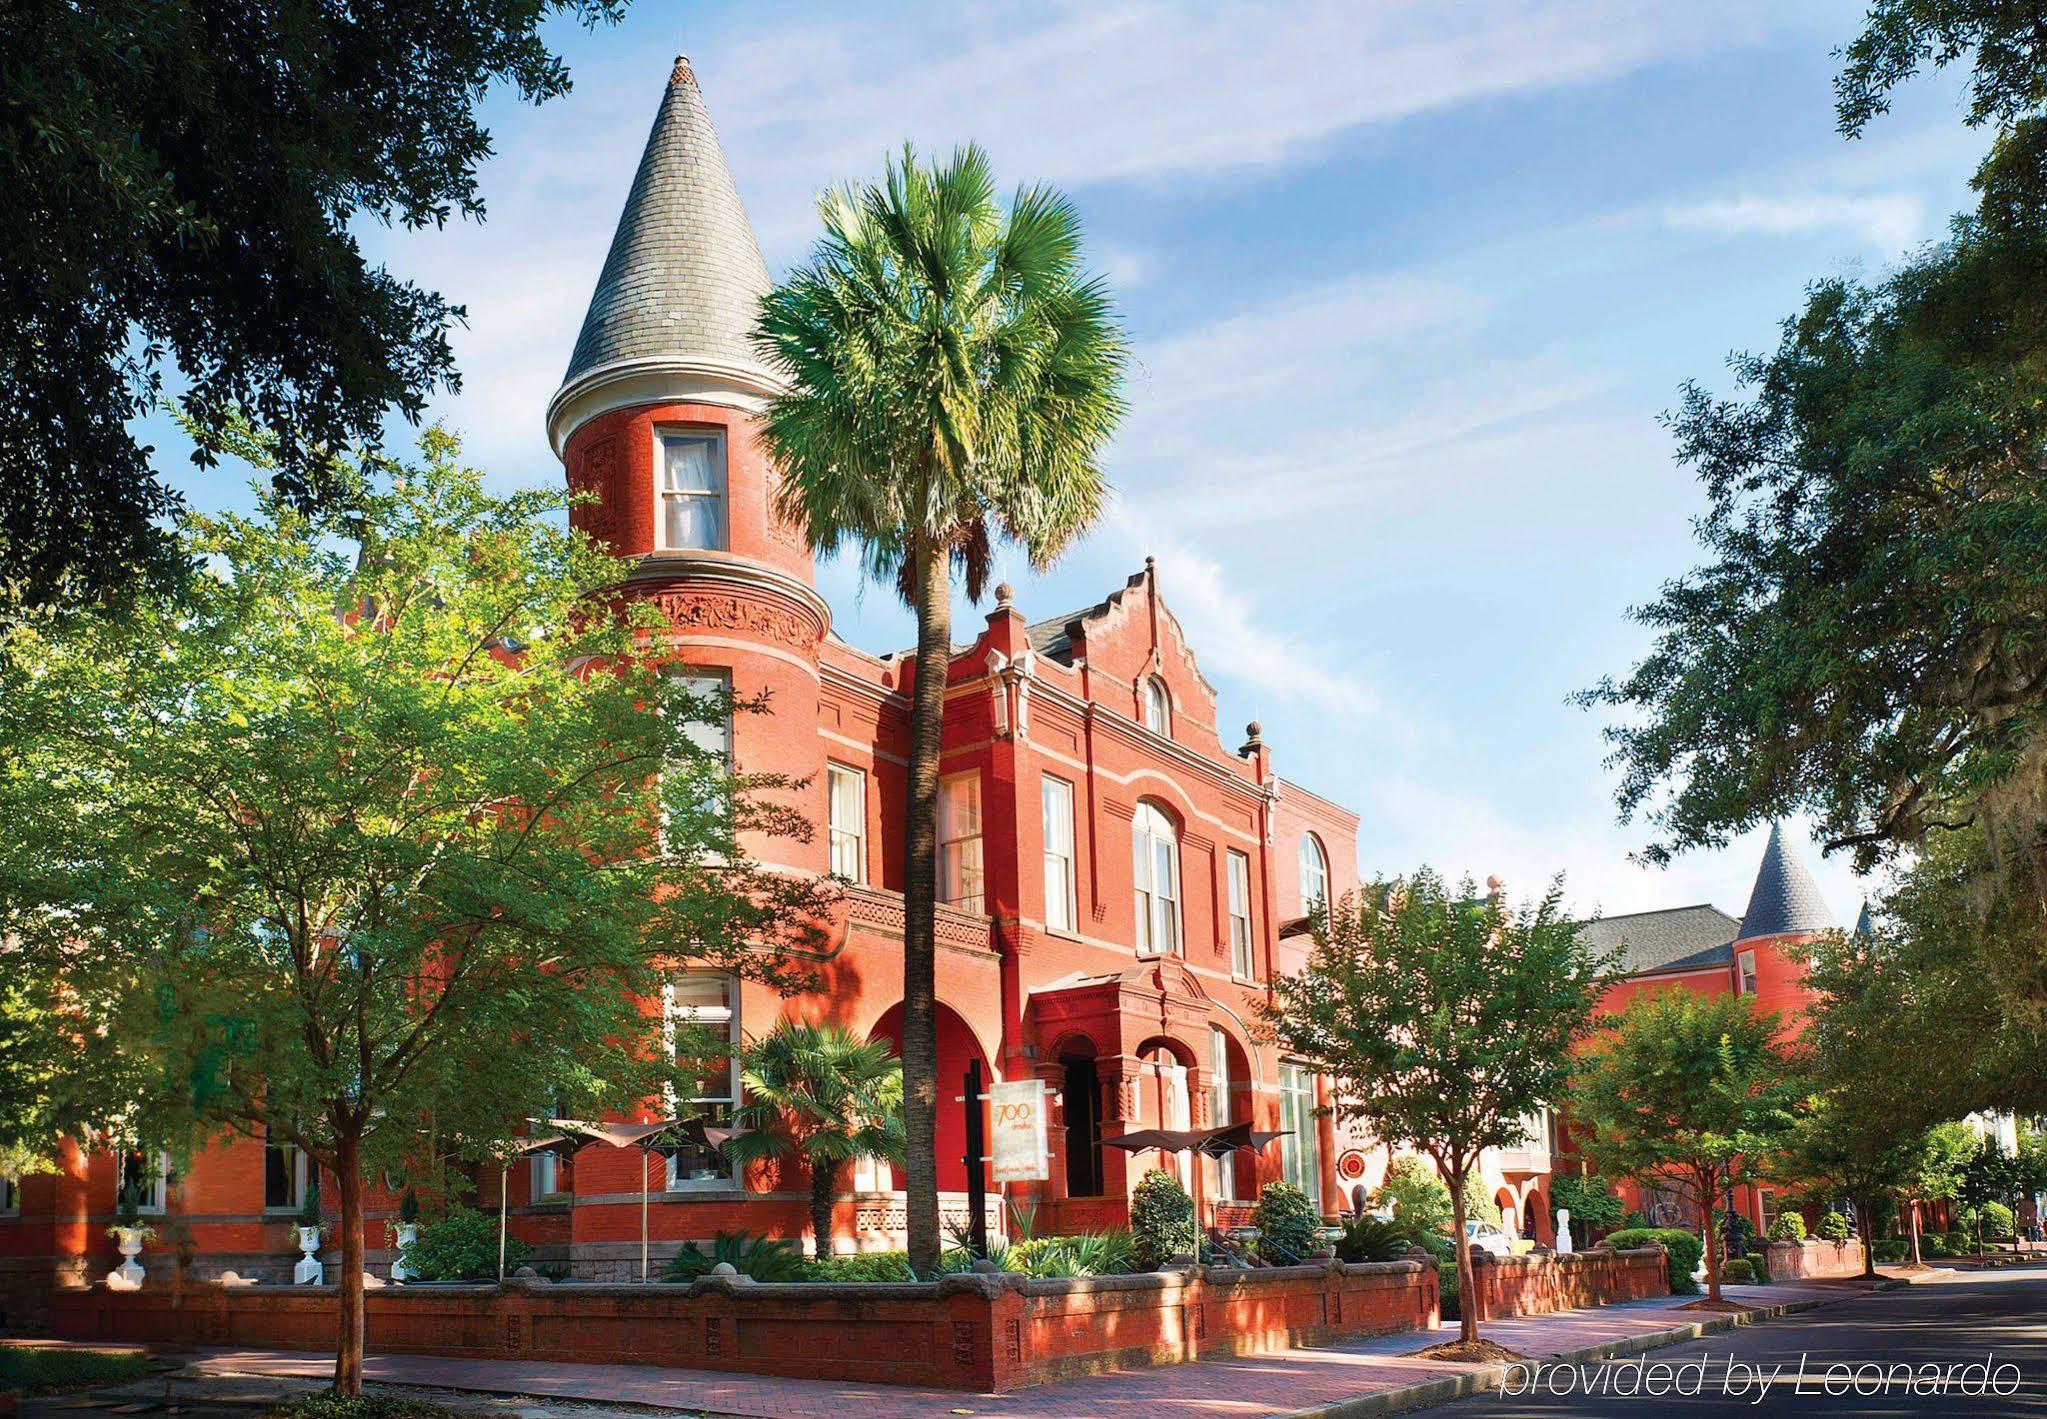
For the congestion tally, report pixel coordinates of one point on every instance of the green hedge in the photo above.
(1892, 1249)
(1997, 1221)
(1684, 1248)
(1760, 1263)
(1737, 1272)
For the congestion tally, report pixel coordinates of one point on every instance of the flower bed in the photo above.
(972, 1332)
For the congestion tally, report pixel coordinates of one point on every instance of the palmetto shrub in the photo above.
(762, 1258)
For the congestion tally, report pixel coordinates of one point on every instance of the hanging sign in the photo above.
(1016, 1131)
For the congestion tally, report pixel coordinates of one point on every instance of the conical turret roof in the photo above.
(684, 278)
(1786, 900)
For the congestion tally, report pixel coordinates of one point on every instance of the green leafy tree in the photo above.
(1443, 1019)
(1847, 1143)
(1688, 1091)
(185, 185)
(953, 373)
(1593, 1205)
(1863, 642)
(825, 1097)
(363, 827)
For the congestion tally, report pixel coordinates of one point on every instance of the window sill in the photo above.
(694, 1187)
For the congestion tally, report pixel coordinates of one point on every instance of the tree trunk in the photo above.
(920, 905)
(1868, 1239)
(1917, 1259)
(1707, 1193)
(1467, 1285)
(823, 1180)
(348, 1342)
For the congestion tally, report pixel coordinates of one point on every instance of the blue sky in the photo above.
(1408, 283)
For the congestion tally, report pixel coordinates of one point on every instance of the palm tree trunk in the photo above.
(823, 1177)
(348, 1345)
(920, 904)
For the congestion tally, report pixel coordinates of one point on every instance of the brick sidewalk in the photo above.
(1279, 1383)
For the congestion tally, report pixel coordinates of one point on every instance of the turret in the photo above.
(1784, 908)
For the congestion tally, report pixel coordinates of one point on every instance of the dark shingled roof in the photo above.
(1675, 938)
(1785, 899)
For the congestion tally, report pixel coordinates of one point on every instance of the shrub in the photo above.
(1997, 1221)
(463, 1246)
(1834, 1227)
(328, 1405)
(1684, 1248)
(1891, 1249)
(864, 1266)
(1593, 1205)
(1759, 1262)
(1417, 1196)
(1446, 1289)
(1109, 1253)
(1932, 1246)
(1958, 1242)
(762, 1258)
(1737, 1272)
(1286, 1221)
(1161, 1219)
(1369, 1239)
(1789, 1227)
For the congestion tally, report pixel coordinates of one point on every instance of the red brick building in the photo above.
(1118, 869)
(1703, 949)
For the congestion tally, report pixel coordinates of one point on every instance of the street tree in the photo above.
(824, 1098)
(1844, 1143)
(1443, 1019)
(1864, 641)
(1690, 1092)
(953, 374)
(376, 836)
(186, 186)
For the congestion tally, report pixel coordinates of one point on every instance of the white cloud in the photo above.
(1890, 221)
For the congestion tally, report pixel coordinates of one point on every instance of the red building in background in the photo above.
(1117, 871)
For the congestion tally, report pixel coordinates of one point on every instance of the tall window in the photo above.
(547, 1174)
(1219, 1107)
(1299, 1150)
(1241, 964)
(10, 1194)
(284, 1176)
(846, 812)
(1155, 861)
(1314, 877)
(1745, 966)
(700, 1013)
(1174, 1106)
(962, 880)
(1158, 707)
(691, 480)
(146, 1177)
(708, 688)
(1055, 802)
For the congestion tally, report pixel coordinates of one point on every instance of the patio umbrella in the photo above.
(646, 1137)
(524, 1147)
(1207, 1142)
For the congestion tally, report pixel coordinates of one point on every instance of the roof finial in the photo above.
(682, 73)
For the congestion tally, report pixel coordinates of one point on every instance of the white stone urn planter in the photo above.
(128, 1241)
(407, 1233)
(309, 1272)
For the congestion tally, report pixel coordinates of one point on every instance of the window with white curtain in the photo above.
(691, 484)
(284, 1175)
(547, 1174)
(1242, 965)
(1314, 877)
(1158, 707)
(700, 1017)
(146, 1177)
(962, 877)
(1300, 1150)
(709, 689)
(1219, 1108)
(1055, 802)
(1155, 864)
(846, 815)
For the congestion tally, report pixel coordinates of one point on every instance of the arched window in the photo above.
(1155, 861)
(1158, 707)
(1314, 877)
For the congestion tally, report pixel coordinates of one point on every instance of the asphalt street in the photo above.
(1972, 1344)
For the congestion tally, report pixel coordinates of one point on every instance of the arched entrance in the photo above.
(956, 1045)
(1233, 1178)
(1080, 1109)
(1165, 1098)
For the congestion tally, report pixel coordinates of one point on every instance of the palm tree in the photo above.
(825, 1096)
(952, 373)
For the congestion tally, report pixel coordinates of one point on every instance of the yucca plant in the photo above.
(952, 374)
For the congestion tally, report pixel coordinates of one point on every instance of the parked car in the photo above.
(1488, 1237)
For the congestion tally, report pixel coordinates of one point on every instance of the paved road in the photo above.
(1946, 1328)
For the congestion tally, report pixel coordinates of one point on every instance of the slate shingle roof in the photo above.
(1785, 899)
(1674, 938)
(684, 276)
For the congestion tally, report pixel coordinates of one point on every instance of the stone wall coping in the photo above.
(1569, 1258)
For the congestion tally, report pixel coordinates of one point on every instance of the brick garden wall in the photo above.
(1813, 1260)
(1533, 1285)
(963, 1332)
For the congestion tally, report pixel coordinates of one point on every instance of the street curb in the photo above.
(1490, 1377)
